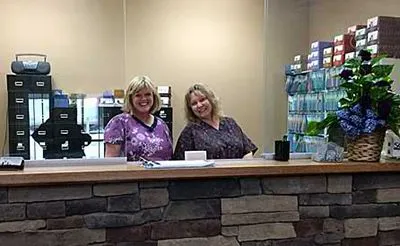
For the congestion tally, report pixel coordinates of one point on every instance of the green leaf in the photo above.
(382, 71)
(315, 128)
(352, 63)
(350, 85)
(378, 93)
(376, 60)
(345, 102)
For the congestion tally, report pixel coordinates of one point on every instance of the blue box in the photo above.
(60, 101)
(320, 45)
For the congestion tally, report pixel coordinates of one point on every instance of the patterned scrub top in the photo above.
(228, 142)
(138, 139)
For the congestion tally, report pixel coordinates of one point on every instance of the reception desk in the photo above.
(237, 202)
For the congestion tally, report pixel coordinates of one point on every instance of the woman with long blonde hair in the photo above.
(207, 129)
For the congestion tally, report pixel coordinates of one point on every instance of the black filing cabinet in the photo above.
(19, 89)
(166, 114)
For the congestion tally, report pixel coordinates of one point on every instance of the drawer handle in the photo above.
(41, 133)
(40, 83)
(19, 100)
(64, 116)
(19, 116)
(64, 132)
(20, 147)
(20, 133)
(18, 83)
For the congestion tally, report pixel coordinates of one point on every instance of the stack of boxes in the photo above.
(299, 64)
(327, 61)
(343, 44)
(383, 36)
(315, 59)
(361, 39)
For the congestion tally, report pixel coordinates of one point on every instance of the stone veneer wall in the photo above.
(359, 210)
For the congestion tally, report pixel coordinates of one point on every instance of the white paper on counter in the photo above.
(181, 164)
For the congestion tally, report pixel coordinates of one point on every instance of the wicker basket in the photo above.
(367, 147)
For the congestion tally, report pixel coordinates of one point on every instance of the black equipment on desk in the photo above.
(11, 163)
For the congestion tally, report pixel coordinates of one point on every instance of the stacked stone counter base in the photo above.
(346, 210)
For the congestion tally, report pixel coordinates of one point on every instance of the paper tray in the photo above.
(180, 164)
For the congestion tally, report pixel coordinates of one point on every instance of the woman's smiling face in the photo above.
(142, 101)
(200, 105)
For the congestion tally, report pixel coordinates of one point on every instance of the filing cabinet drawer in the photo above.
(19, 147)
(29, 83)
(40, 83)
(43, 133)
(67, 130)
(64, 115)
(18, 100)
(18, 131)
(18, 116)
(18, 82)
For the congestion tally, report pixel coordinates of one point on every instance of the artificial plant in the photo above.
(369, 105)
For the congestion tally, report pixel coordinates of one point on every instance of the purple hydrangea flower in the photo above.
(343, 114)
(370, 125)
(370, 114)
(356, 120)
(349, 130)
(357, 109)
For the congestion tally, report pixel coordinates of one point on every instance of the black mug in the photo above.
(282, 150)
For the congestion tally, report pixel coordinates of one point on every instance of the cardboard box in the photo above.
(361, 44)
(361, 34)
(343, 49)
(346, 39)
(384, 38)
(349, 56)
(392, 51)
(338, 60)
(320, 45)
(327, 52)
(316, 64)
(299, 59)
(353, 29)
(327, 62)
(383, 22)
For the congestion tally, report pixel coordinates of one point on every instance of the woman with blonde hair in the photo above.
(207, 129)
(137, 133)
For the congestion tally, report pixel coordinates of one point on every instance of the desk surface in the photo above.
(224, 168)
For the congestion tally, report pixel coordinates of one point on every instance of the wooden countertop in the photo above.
(226, 168)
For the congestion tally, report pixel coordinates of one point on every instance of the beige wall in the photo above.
(84, 41)
(216, 42)
(286, 35)
(177, 43)
(329, 18)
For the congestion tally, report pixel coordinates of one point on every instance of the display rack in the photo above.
(311, 96)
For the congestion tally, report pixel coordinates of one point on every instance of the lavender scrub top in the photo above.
(228, 142)
(138, 139)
